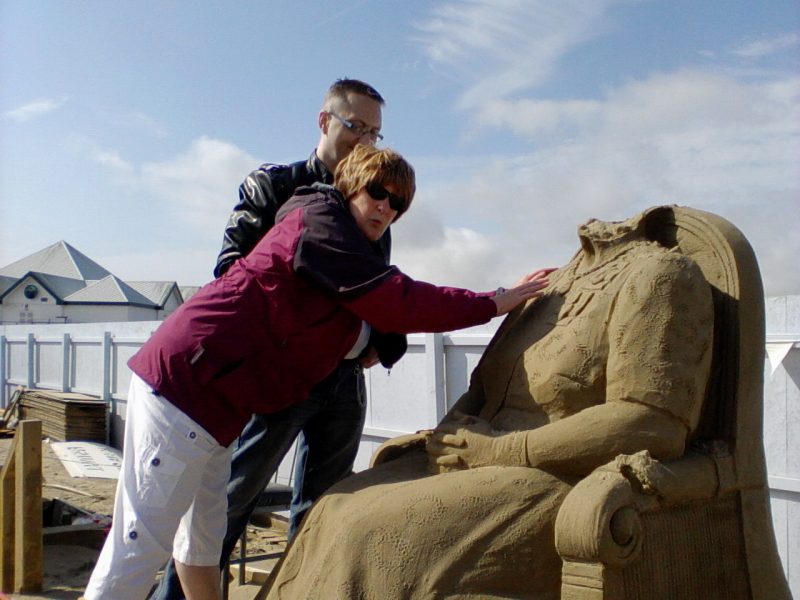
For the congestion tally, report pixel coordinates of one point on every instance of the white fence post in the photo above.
(434, 374)
(66, 344)
(106, 391)
(3, 371)
(31, 346)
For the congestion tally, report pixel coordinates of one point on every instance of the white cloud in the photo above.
(498, 47)
(689, 137)
(460, 257)
(197, 186)
(687, 100)
(193, 192)
(530, 117)
(200, 184)
(767, 46)
(35, 108)
(139, 120)
(112, 160)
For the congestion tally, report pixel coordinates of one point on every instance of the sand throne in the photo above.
(698, 527)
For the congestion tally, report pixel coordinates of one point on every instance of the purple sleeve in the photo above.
(403, 305)
(334, 255)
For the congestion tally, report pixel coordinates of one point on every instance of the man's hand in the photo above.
(529, 286)
(369, 358)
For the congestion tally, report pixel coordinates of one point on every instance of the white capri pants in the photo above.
(171, 494)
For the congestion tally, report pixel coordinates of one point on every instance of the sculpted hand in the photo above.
(469, 442)
(396, 447)
(529, 286)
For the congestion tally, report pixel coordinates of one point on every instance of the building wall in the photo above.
(173, 302)
(94, 313)
(18, 308)
(31, 312)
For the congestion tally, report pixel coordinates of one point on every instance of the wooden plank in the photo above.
(8, 413)
(7, 481)
(28, 544)
(21, 555)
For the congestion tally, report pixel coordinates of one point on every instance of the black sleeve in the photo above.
(261, 194)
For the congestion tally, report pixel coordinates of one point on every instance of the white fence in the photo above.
(91, 358)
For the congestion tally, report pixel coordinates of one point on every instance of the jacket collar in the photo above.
(318, 168)
(330, 191)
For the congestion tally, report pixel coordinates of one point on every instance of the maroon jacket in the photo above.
(260, 337)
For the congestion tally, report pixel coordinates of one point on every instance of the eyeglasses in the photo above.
(360, 129)
(378, 192)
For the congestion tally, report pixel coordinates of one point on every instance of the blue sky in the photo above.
(126, 127)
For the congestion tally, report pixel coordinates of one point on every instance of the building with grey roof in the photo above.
(59, 284)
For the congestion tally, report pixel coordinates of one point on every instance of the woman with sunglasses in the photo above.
(273, 326)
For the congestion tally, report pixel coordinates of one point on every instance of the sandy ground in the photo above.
(67, 567)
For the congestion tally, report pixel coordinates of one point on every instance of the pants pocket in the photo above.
(350, 386)
(158, 473)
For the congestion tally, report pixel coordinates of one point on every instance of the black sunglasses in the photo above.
(377, 191)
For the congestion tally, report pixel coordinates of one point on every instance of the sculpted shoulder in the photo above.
(660, 271)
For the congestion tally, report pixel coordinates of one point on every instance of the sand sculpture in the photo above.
(608, 446)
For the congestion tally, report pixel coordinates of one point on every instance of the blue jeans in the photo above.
(329, 425)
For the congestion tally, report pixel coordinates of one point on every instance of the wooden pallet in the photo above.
(66, 416)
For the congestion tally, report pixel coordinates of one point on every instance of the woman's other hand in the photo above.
(369, 358)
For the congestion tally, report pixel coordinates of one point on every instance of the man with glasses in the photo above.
(330, 421)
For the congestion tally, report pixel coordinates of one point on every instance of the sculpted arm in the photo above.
(659, 337)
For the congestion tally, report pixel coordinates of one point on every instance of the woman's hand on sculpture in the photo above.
(529, 286)
(538, 274)
(469, 442)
